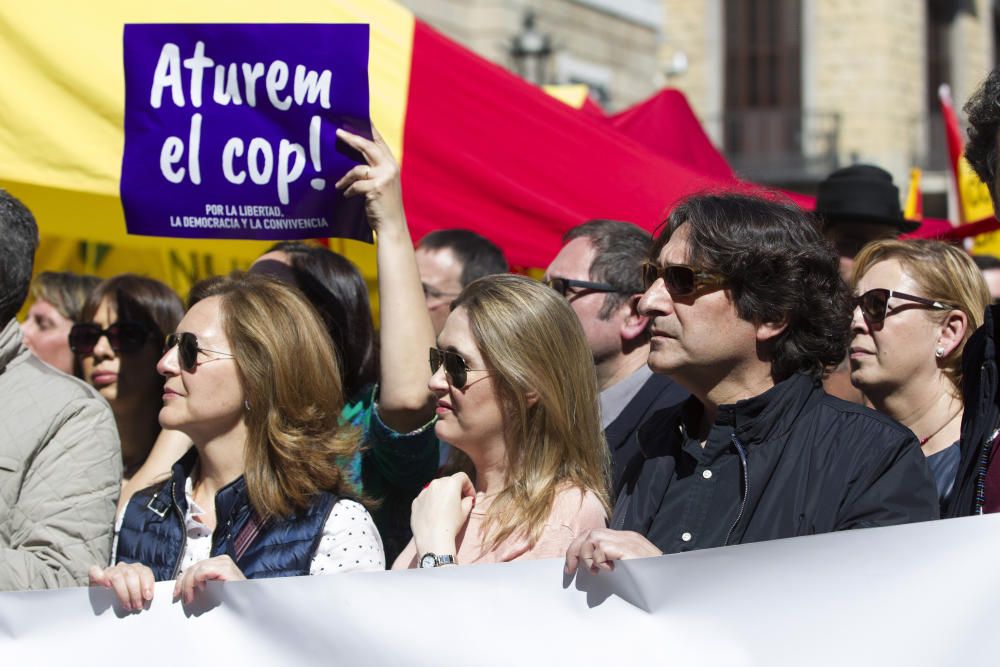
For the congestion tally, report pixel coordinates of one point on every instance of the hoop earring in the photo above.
(246, 404)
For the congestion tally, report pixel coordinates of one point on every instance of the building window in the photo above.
(763, 76)
(763, 54)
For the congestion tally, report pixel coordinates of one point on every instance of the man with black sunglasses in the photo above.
(60, 459)
(598, 272)
(747, 311)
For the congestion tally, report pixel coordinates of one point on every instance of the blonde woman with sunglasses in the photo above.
(916, 304)
(517, 394)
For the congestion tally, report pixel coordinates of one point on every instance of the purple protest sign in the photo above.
(230, 129)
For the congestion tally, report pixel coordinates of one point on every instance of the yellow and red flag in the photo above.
(914, 208)
(974, 203)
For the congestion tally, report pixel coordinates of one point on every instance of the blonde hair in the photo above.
(544, 376)
(66, 291)
(291, 378)
(944, 273)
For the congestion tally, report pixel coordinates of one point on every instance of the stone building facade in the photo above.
(867, 91)
(611, 45)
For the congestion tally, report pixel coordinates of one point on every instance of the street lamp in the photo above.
(531, 50)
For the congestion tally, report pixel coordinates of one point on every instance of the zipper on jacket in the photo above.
(745, 465)
(177, 508)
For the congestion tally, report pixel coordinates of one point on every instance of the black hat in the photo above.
(861, 193)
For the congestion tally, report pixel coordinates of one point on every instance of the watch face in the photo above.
(428, 560)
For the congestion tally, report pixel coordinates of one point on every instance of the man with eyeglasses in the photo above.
(746, 311)
(450, 259)
(60, 458)
(598, 272)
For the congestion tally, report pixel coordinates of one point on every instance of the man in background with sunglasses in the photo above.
(747, 310)
(598, 272)
(60, 459)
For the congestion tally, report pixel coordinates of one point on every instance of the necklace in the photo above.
(923, 441)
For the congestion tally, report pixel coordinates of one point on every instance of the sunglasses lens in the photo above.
(558, 284)
(187, 346)
(679, 280)
(873, 305)
(83, 338)
(127, 337)
(454, 365)
(187, 349)
(650, 273)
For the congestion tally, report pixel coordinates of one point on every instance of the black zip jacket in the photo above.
(981, 397)
(792, 461)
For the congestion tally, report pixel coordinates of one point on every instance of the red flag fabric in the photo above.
(483, 150)
(953, 135)
(666, 124)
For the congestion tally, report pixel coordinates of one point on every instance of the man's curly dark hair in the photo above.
(983, 112)
(778, 268)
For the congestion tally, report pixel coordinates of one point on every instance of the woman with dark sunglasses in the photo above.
(384, 377)
(254, 382)
(916, 304)
(517, 395)
(118, 342)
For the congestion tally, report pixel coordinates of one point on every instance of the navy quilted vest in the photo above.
(153, 534)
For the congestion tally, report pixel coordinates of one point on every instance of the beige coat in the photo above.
(60, 472)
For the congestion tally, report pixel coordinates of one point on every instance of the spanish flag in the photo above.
(974, 203)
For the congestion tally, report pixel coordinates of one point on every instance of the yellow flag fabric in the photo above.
(61, 112)
(572, 94)
(973, 194)
(976, 204)
(914, 209)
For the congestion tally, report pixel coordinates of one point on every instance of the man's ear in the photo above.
(634, 325)
(767, 331)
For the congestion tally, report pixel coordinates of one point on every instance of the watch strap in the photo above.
(435, 560)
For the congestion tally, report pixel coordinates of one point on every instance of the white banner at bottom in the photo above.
(923, 594)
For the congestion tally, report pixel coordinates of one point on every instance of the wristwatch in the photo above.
(433, 560)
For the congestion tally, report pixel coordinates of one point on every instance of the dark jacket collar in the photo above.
(752, 420)
(625, 423)
(227, 499)
(768, 415)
